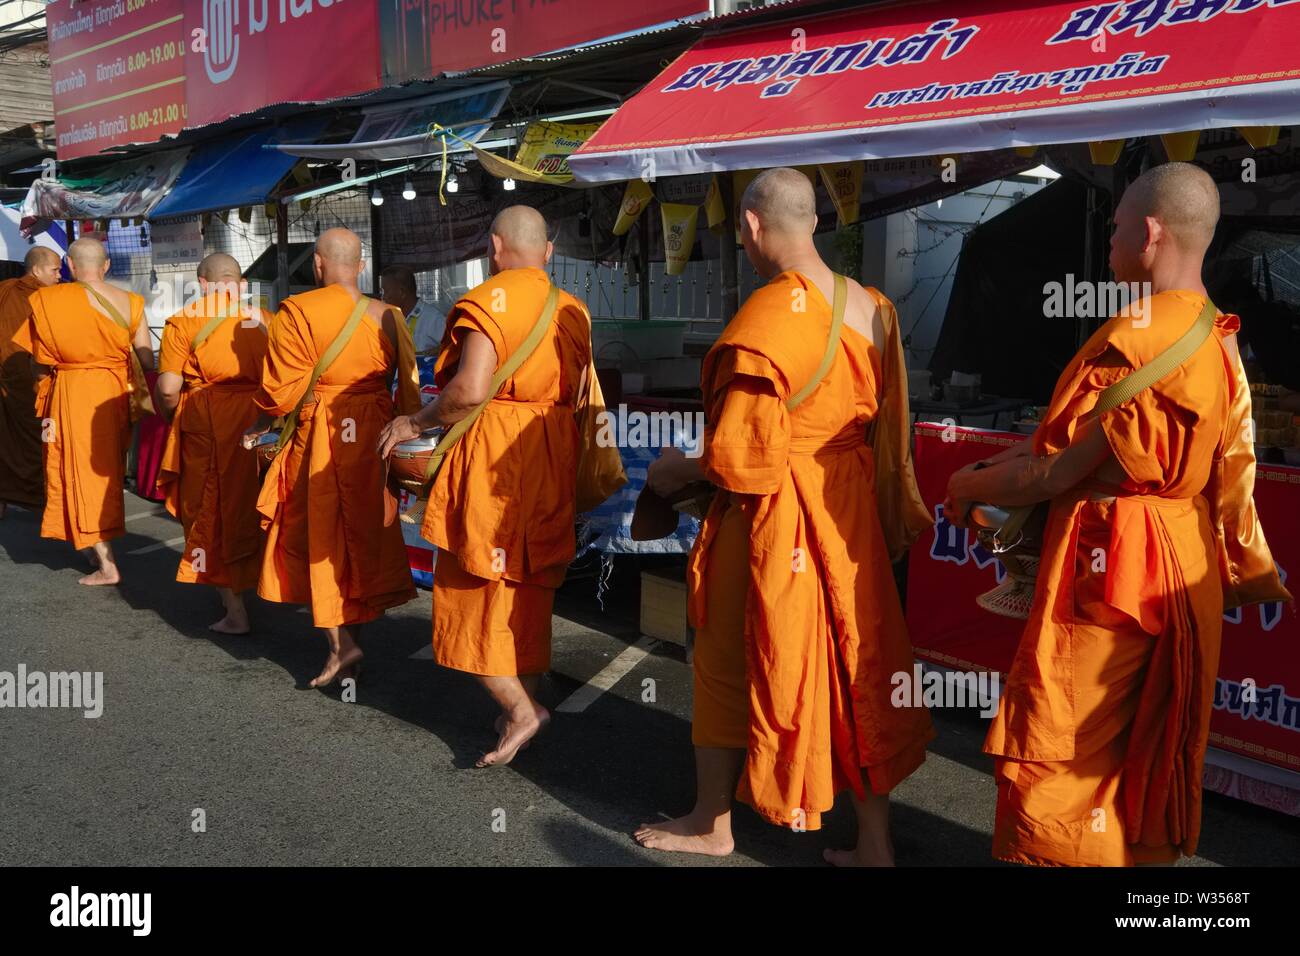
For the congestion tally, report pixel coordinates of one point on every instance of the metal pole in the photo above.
(281, 253)
(376, 243)
(643, 266)
(729, 268)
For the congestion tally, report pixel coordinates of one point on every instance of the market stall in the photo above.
(948, 568)
(1101, 91)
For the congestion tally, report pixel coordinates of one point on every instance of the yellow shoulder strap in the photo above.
(324, 362)
(832, 343)
(526, 348)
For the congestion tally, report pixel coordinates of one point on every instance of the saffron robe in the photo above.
(322, 501)
(1099, 741)
(84, 410)
(22, 472)
(502, 508)
(208, 479)
(799, 627)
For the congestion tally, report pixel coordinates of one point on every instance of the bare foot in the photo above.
(100, 578)
(686, 835)
(499, 725)
(229, 625)
(334, 665)
(519, 729)
(859, 857)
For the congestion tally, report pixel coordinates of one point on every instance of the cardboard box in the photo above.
(663, 605)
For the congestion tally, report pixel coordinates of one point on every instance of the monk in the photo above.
(1099, 741)
(798, 622)
(81, 336)
(210, 365)
(502, 508)
(22, 477)
(323, 500)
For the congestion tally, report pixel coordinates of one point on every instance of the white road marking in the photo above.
(158, 546)
(610, 674)
(423, 654)
(146, 514)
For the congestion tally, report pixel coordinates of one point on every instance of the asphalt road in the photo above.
(285, 776)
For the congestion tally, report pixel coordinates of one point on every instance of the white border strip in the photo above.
(1259, 104)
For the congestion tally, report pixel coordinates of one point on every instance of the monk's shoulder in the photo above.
(776, 322)
(312, 299)
(1143, 329)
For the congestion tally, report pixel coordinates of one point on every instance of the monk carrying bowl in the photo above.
(408, 463)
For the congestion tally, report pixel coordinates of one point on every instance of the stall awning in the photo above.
(943, 79)
(406, 130)
(236, 171)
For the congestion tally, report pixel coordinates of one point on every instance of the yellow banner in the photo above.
(844, 182)
(636, 197)
(543, 154)
(679, 235)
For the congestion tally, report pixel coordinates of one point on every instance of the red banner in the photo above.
(261, 52)
(423, 38)
(873, 82)
(118, 72)
(1260, 645)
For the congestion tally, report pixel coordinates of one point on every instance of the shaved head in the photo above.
(1164, 224)
(783, 200)
(38, 256)
(341, 246)
(1183, 197)
(518, 239)
(88, 260)
(520, 227)
(337, 258)
(88, 252)
(220, 267)
(43, 264)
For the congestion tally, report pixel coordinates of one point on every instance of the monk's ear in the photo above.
(751, 221)
(550, 249)
(1155, 232)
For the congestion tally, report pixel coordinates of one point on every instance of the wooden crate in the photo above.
(663, 606)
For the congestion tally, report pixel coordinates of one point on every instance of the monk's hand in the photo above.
(667, 473)
(400, 429)
(257, 430)
(956, 511)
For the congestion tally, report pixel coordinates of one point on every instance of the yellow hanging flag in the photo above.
(679, 235)
(636, 197)
(844, 182)
(714, 212)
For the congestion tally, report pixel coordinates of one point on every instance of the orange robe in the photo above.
(799, 627)
(85, 413)
(22, 476)
(207, 478)
(322, 501)
(1101, 734)
(502, 509)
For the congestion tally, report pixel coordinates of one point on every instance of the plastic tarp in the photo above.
(234, 172)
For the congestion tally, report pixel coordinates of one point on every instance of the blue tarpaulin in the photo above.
(233, 173)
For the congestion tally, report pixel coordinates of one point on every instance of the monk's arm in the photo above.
(467, 389)
(143, 345)
(1026, 480)
(167, 394)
